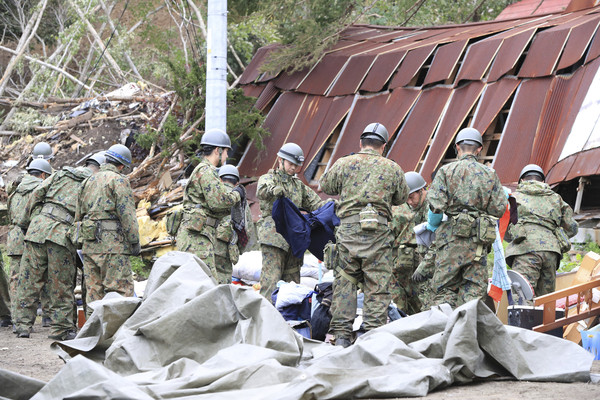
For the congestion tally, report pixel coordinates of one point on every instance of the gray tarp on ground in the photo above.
(192, 338)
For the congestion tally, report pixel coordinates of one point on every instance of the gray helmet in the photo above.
(98, 158)
(532, 169)
(229, 171)
(39, 164)
(42, 150)
(377, 131)
(291, 152)
(415, 181)
(119, 153)
(217, 138)
(469, 136)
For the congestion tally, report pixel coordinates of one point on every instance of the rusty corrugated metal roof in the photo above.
(426, 82)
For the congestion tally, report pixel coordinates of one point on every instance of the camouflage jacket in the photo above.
(468, 185)
(404, 219)
(17, 214)
(363, 178)
(540, 212)
(107, 202)
(205, 195)
(225, 228)
(54, 203)
(295, 190)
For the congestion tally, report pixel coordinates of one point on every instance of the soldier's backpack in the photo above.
(321, 318)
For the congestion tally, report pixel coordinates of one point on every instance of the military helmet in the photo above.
(98, 158)
(291, 152)
(39, 164)
(469, 136)
(414, 181)
(377, 131)
(217, 138)
(42, 150)
(229, 171)
(532, 169)
(119, 153)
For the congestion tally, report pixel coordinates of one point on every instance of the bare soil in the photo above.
(33, 357)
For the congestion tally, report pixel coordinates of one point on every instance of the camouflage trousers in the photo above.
(200, 244)
(54, 264)
(44, 297)
(427, 267)
(539, 267)
(277, 264)
(223, 265)
(105, 273)
(366, 256)
(5, 311)
(458, 278)
(405, 292)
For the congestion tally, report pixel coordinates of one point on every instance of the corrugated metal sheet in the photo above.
(251, 73)
(291, 81)
(559, 171)
(444, 62)
(267, 95)
(478, 59)
(279, 122)
(544, 53)
(492, 101)
(460, 104)
(532, 7)
(586, 164)
(418, 128)
(594, 50)
(322, 75)
(579, 39)
(411, 64)
(389, 109)
(380, 73)
(252, 90)
(352, 76)
(521, 129)
(510, 51)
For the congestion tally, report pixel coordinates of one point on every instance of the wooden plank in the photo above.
(548, 298)
(565, 321)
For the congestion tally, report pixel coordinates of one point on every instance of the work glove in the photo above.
(241, 191)
(434, 220)
(278, 191)
(418, 277)
(136, 249)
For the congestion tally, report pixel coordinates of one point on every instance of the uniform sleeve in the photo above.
(80, 210)
(36, 199)
(498, 201)
(400, 219)
(331, 180)
(310, 199)
(217, 195)
(437, 195)
(401, 193)
(125, 209)
(264, 188)
(568, 223)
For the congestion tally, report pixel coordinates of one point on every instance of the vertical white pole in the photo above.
(216, 74)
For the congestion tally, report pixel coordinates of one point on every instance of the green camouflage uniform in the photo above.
(5, 311)
(278, 262)
(206, 201)
(534, 250)
(365, 256)
(407, 256)
(49, 253)
(473, 191)
(15, 240)
(108, 230)
(227, 248)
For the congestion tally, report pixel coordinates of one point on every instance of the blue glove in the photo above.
(506, 191)
(433, 220)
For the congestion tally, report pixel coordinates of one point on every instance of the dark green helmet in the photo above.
(39, 164)
(229, 171)
(414, 181)
(291, 152)
(217, 138)
(120, 154)
(99, 158)
(470, 136)
(377, 131)
(42, 150)
(532, 169)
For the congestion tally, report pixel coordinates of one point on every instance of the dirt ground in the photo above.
(34, 358)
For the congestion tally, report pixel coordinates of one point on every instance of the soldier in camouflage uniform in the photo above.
(369, 185)
(49, 253)
(108, 228)
(535, 249)
(472, 197)
(278, 262)
(38, 170)
(206, 200)
(5, 312)
(227, 246)
(407, 255)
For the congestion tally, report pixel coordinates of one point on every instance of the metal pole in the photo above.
(216, 74)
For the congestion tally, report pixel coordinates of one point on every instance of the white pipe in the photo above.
(216, 74)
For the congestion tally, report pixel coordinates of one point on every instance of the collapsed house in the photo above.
(529, 84)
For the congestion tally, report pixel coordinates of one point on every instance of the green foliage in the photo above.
(571, 260)
(25, 120)
(244, 121)
(140, 267)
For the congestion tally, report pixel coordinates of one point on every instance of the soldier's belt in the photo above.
(352, 219)
(58, 213)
